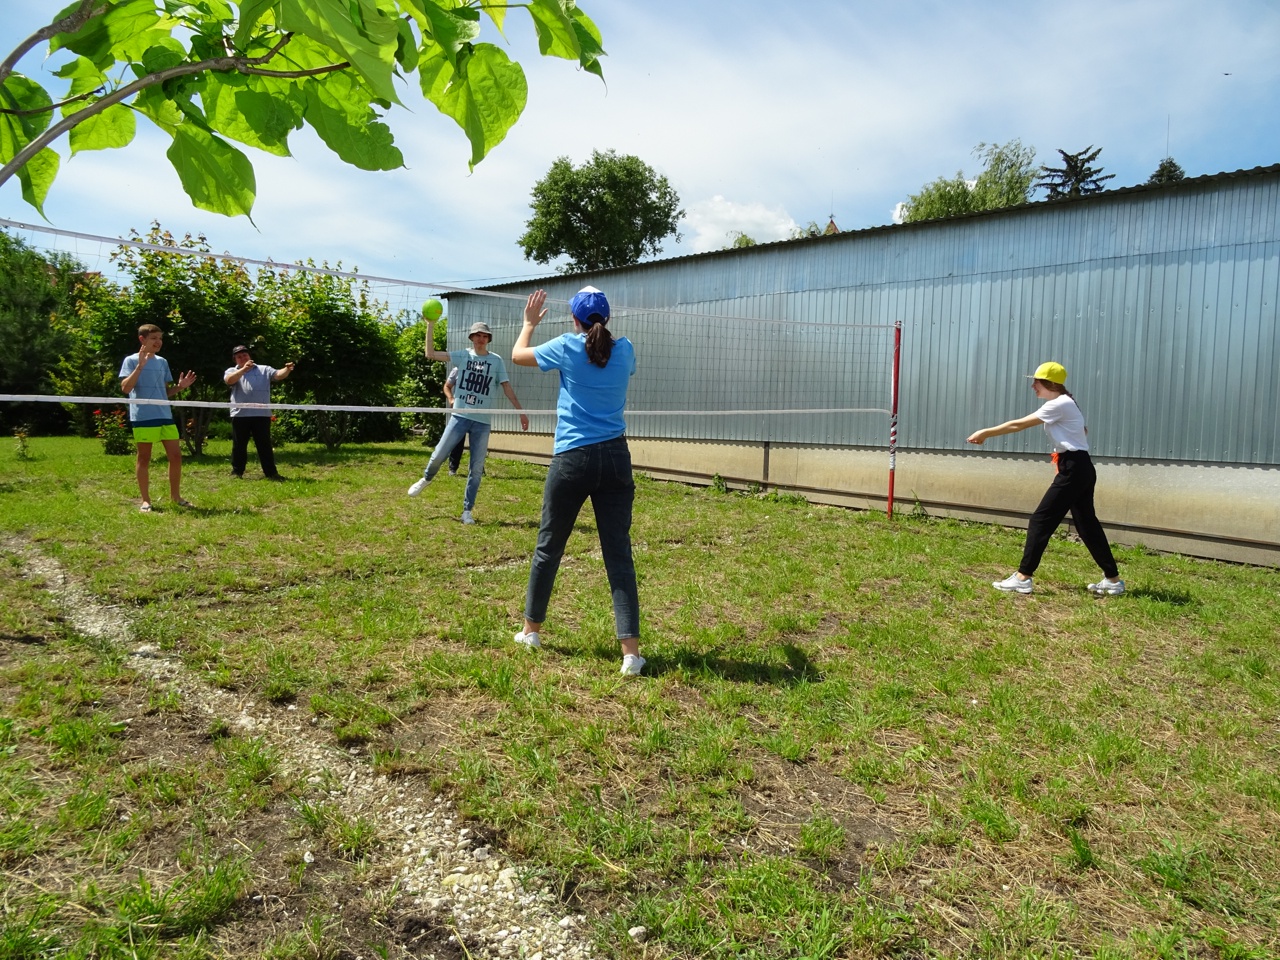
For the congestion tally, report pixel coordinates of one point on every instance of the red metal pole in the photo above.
(893, 410)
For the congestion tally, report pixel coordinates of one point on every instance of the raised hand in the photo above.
(534, 310)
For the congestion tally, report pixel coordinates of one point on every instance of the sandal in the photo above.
(183, 503)
(145, 508)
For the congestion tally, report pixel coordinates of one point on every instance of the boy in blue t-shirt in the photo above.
(480, 373)
(145, 376)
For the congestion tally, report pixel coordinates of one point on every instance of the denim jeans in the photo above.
(601, 472)
(455, 431)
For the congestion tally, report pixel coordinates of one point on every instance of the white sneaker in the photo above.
(418, 486)
(530, 640)
(1107, 588)
(1012, 584)
(467, 517)
(632, 664)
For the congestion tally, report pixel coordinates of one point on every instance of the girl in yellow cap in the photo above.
(1072, 487)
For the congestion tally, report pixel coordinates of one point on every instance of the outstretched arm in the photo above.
(522, 354)
(283, 372)
(1009, 426)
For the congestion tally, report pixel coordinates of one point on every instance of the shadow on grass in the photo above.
(1174, 598)
(714, 665)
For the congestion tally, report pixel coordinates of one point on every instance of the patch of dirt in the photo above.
(435, 887)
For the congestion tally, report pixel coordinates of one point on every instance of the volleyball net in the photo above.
(781, 368)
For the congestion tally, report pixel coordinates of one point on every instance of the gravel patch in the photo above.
(442, 867)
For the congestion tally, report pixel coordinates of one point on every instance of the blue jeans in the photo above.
(602, 472)
(455, 431)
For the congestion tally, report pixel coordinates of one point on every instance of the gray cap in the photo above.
(479, 327)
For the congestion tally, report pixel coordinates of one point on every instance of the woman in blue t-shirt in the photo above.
(590, 459)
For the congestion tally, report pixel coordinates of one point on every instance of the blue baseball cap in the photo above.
(589, 306)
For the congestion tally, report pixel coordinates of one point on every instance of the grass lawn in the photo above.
(845, 744)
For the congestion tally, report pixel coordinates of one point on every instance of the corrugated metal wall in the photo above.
(1161, 303)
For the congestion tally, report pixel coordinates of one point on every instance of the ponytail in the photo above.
(599, 344)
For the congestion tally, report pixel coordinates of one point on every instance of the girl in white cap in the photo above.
(590, 460)
(1072, 487)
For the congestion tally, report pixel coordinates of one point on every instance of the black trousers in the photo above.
(1071, 491)
(259, 428)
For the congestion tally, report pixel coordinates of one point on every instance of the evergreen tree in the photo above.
(1077, 177)
(1169, 171)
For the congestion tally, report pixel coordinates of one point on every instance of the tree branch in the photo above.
(52, 107)
(296, 74)
(72, 22)
(212, 65)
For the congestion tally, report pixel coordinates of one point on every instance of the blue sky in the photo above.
(761, 115)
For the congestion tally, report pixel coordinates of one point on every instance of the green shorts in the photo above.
(166, 431)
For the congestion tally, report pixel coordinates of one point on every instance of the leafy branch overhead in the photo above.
(212, 73)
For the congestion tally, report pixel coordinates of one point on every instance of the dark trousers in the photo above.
(601, 472)
(259, 428)
(1071, 491)
(455, 455)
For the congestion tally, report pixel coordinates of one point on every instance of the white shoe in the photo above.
(1013, 584)
(1107, 588)
(632, 664)
(418, 486)
(467, 517)
(530, 640)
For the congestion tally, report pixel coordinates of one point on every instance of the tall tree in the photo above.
(37, 296)
(1005, 180)
(1169, 171)
(610, 212)
(206, 73)
(1077, 177)
(204, 305)
(345, 345)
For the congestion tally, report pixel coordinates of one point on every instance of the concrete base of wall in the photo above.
(1222, 512)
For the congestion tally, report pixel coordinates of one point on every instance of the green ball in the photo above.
(432, 309)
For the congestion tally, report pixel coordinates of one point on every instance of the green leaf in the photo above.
(451, 30)
(256, 117)
(348, 128)
(498, 14)
(485, 94)
(36, 177)
(407, 48)
(22, 93)
(165, 54)
(154, 104)
(556, 36)
(369, 47)
(252, 12)
(590, 43)
(123, 32)
(215, 175)
(111, 128)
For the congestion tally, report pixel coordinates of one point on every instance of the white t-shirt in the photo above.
(1064, 423)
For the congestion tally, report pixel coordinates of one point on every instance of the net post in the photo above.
(893, 411)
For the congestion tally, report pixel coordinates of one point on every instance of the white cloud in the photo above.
(846, 109)
(713, 221)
